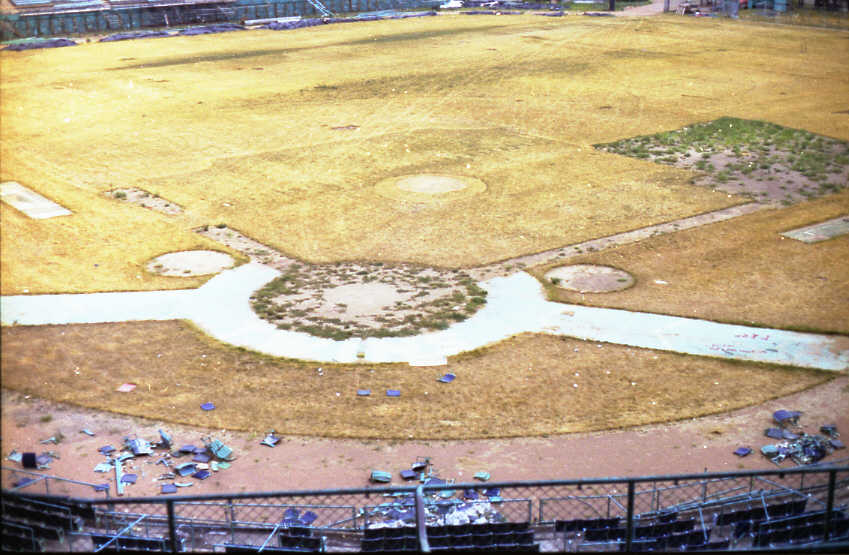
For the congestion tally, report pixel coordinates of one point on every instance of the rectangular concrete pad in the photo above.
(821, 231)
(29, 202)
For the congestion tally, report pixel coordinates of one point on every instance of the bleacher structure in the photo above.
(805, 509)
(48, 18)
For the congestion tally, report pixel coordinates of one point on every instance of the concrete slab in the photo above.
(821, 231)
(516, 304)
(29, 202)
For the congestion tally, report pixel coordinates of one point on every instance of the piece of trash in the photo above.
(186, 469)
(106, 450)
(470, 494)
(270, 440)
(201, 458)
(163, 461)
(213, 466)
(28, 460)
(220, 450)
(14, 456)
(166, 440)
(51, 439)
(408, 474)
(420, 464)
(168, 488)
(202, 466)
(830, 430)
(167, 476)
(87, 432)
(129, 478)
(201, 474)
(661, 282)
(184, 484)
(207, 406)
(308, 518)
(363, 392)
(138, 446)
(223, 465)
(187, 449)
(482, 476)
(23, 482)
(103, 467)
(126, 387)
(742, 451)
(393, 392)
(380, 476)
(780, 433)
(783, 417)
(101, 487)
(836, 444)
(447, 378)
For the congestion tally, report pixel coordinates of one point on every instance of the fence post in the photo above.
(424, 546)
(172, 526)
(829, 506)
(629, 533)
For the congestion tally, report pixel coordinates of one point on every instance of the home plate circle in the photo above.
(429, 187)
(589, 278)
(190, 263)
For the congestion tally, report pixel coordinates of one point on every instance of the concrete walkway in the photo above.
(516, 304)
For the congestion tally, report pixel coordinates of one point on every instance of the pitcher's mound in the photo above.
(429, 187)
(190, 263)
(589, 278)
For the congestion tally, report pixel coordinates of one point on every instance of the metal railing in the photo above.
(706, 506)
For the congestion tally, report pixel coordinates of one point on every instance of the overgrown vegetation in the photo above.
(767, 161)
(417, 299)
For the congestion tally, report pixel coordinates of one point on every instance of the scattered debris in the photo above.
(408, 474)
(270, 440)
(51, 439)
(129, 478)
(447, 378)
(800, 447)
(363, 392)
(393, 392)
(87, 432)
(207, 406)
(220, 450)
(380, 476)
(482, 476)
(202, 474)
(168, 488)
(14, 456)
(742, 451)
(126, 388)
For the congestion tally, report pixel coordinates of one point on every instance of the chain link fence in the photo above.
(742, 511)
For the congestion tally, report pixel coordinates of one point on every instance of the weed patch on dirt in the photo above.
(768, 162)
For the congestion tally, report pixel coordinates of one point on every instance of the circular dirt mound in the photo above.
(190, 263)
(429, 187)
(588, 278)
(347, 300)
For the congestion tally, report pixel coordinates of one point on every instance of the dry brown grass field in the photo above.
(742, 270)
(502, 391)
(286, 137)
(239, 128)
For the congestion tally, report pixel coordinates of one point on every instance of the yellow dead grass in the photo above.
(238, 129)
(521, 387)
(742, 270)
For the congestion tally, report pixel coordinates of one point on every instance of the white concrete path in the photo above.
(516, 304)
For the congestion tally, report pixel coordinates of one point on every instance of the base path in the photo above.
(516, 304)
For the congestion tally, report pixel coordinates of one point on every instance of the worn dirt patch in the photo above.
(429, 187)
(590, 278)
(190, 263)
(145, 199)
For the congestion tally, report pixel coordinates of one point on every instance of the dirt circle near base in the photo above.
(589, 278)
(190, 263)
(429, 187)
(362, 299)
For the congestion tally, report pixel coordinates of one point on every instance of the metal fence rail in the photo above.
(741, 511)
